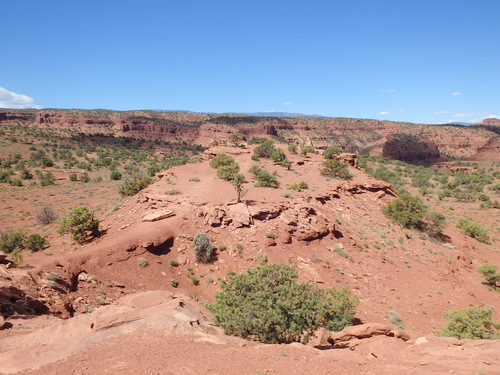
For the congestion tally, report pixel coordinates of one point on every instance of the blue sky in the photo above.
(404, 60)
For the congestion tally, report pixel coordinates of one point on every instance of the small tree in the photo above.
(335, 168)
(292, 149)
(221, 159)
(265, 149)
(203, 251)
(331, 152)
(36, 242)
(80, 224)
(407, 211)
(237, 182)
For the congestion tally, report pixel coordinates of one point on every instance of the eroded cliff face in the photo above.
(405, 141)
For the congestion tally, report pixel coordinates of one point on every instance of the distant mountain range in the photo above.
(256, 114)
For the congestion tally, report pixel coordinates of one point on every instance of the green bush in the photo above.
(85, 177)
(73, 177)
(270, 305)
(203, 251)
(115, 175)
(257, 140)
(47, 179)
(292, 148)
(278, 156)
(470, 323)
(436, 223)
(299, 186)
(331, 152)
(36, 242)
(134, 182)
(264, 178)
(265, 149)
(335, 168)
(490, 272)
(407, 211)
(221, 160)
(227, 172)
(11, 240)
(80, 224)
(306, 150)
(474, 230)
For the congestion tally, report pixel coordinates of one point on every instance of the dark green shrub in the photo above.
(80, 224)
(278, 156)
(221, 159)
(26, 175)
(134, 182)
(35, 242)
(470, 323)
(16, 182)
(5, 177)
(270, 305)
(331, 152)
(115, 175)
(474, 230)
(335, 168)
(307, 150)
(85, 177)
(203, 251)
(264, 178)
(257, 140)
(292, 148)
(265, 149)
(407, 211)
(11, 240)
(227, 172)
(73, 177)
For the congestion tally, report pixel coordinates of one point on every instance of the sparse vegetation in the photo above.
(491, 274)
(335, 168)
(46, 215)
(264, 178)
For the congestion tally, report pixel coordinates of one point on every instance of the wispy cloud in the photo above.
(287, 103)
(463, 114)
(383, 113)
(9, 99)
(389, 90)
(456, 93)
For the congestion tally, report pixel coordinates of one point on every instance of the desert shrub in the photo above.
(292, 148)
(278, 156)
(299, 186)
(16, 182)
(174, 283)
(436, 223)
(264, 178)
(472, 229)
(17, 256)
(26, 175)
(115, 175)
(267, 303)
(265, 149)
(85, 177)
(227, 172)
(203, 251)
(46, 215)
(194, 179)
(331, 152)
(73, 177)
(47, 178)
(36, 242)
(407, 211)
(80, 224)
(172, 192)
(237, 181)
(395, 319)
(335, 168)
(134, 182)
(490, 272)
(5, 177)
(221, 159)
(142, 262)
(11, 240)
(470, 323)
(257, 140)
(306, 150)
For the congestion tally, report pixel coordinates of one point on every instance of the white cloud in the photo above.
(456, 93)
(389, 90)
(287, 103)
(493, 116)
(9, 99)
(463, 114)
(441, 112)
(384, 113)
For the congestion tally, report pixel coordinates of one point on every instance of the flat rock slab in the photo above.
(160, 215)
